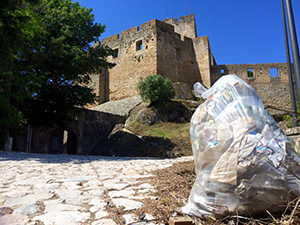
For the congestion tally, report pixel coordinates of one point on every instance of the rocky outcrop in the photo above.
(174, 111)
(183, 91)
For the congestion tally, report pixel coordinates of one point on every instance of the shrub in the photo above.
(156, 89)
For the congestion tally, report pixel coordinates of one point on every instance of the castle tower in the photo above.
(169, 48)
(186, 26)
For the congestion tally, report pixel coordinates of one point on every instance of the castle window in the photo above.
(274, 72)
(250, 73)
(222, 71)
(116, 53)
(139, 45)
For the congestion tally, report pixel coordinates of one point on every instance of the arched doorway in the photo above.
(71, 143)
(62, 141)
(56, 140)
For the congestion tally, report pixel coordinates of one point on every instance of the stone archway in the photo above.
(63, 141)
(72, 143)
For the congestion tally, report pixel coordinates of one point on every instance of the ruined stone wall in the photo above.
(182, 59)
(203, 59)
(135, 57)
(175, 57)
(195, 58)
(168, 48)
(273, 90)
(95, 83)
(91, 129)
(186, 26)
(182, 56)
(172, 49)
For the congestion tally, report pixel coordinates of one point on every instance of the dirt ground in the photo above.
(174, 184)
(173, 187)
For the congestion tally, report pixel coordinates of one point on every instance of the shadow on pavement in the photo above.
(59, 158)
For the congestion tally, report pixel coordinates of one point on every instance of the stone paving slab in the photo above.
(72, 189)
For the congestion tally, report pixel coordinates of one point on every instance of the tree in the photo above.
(17, 26)
(156, 89)
(49, 70)
(64, 58)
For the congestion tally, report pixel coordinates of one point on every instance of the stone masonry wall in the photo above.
(203, 59)
(182, 56)
(175, 57)
(273, 90)
(168, 48)
(135, 57)
(172, 49)
(186, 26)
(91, 128)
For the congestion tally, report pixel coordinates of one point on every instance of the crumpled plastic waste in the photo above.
(245, 164)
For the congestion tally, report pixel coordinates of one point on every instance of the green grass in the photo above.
(166, 130)
(155, 132)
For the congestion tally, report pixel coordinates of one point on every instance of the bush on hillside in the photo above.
(155, 89)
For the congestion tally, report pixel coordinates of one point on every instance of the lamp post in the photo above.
(294, 45)
(288, 59)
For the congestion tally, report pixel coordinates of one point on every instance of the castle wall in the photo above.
(99, 82)
(154, 48)
(91, 129)
(182, 60)
(182, 53)
(100, 86)
(175, 58)
(134, 56)
(273, 90)
(186, 26)
(173, 50)
(203, 59)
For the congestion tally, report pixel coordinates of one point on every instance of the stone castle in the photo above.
(172, 49)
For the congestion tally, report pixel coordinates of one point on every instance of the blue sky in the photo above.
(239, 31)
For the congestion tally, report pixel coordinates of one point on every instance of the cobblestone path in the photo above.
(73, 189)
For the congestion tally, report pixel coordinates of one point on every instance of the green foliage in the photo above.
(163, 131)
(9, 115)
(156, 89)
(290, 117)
(18, 25)
(250, 73)
(62, 59)
(45, 58)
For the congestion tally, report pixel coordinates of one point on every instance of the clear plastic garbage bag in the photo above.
(245, 164)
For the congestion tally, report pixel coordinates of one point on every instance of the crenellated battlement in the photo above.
(188, 18)
(171, 20)
(111, 38)
(148, 24)
(130, 31)
(165, 26)
(183, 19)
(186, 26)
